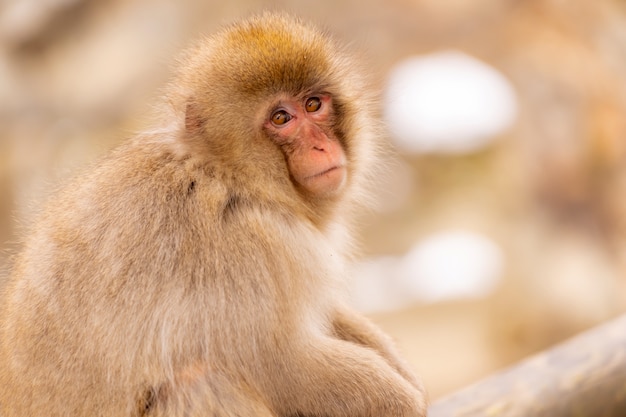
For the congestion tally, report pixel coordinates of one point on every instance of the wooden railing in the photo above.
(583, 377)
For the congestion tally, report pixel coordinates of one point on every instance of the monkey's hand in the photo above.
(350, 326)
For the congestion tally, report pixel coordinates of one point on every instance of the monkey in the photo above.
(198, 268)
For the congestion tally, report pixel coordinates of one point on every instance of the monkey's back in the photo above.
(161, 239)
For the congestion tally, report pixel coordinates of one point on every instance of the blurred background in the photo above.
(500, 231)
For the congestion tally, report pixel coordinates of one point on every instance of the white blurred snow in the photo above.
(447, 265)
(447, 102)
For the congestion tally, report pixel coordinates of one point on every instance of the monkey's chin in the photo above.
(327, 183)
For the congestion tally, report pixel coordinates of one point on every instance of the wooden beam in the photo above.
(585, 376)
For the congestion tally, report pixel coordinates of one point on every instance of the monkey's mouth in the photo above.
(326, 182)
(319, 174)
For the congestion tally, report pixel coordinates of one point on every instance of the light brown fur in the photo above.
(187, 275)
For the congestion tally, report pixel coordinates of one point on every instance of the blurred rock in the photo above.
(452, 265)
(447, 102)
(23, 21)
(449, 265)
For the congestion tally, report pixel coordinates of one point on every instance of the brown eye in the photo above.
(313, 104)
(280, 117)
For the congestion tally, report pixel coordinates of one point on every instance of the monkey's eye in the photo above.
(313, 104)
(280, 117)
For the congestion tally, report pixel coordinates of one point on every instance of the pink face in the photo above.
(302, 128)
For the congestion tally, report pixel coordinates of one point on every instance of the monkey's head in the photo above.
(276, 104)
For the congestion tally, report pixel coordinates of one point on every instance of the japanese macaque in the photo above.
(196, 270)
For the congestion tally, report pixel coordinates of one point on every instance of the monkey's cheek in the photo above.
(327, 183)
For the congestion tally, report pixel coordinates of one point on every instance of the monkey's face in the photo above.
(302, 128)
(275, 104)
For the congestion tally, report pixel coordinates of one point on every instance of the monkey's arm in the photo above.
(336, 378)
(353, 327)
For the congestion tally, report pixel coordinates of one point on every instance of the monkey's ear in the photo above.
(193, 118)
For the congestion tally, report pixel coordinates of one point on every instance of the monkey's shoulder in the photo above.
(143, 186)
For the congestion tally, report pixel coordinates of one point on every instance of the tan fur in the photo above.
(186, 274)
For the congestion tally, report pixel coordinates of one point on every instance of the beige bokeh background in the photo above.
(77, 76)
